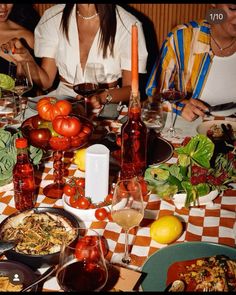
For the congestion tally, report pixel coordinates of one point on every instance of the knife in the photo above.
(221, 107)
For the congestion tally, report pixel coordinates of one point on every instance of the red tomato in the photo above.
(66, 125)
(84, 247)
(80, 182)
(108, 198)
(69, 190)
(50, 107)
(101, 214)
(40, 137)
(37, 120)
(144, 186)
(82, 203)
(76, 141)
(59, 143)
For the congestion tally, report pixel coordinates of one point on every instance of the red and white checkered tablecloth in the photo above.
(211, 223)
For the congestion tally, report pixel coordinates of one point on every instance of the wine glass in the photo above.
(9, 108)
(127, 208)
(20, 72)
(168, 92)
(94, 75)
(82, 266)
(152, 114)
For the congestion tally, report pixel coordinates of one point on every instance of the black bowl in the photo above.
(36, 261)
(10, 269)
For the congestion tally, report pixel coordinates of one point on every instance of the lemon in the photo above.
(6, 82)
(166, 229)
(79, 158)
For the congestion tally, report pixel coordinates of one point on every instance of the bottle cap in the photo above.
(21, 143)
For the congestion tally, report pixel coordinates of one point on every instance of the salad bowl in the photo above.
(179, 199)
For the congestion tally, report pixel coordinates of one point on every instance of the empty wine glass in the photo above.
(168, 92)
(20, 72)
(82, 266)
(152, 114)
(127, 208)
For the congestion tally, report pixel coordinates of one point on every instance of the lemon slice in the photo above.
(6, 82)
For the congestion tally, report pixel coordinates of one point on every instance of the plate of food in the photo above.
(31, 229)
(14, 276)
(160, 268)
(214, 128)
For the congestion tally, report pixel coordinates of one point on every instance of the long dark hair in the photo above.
(25, 15)
(107, 16)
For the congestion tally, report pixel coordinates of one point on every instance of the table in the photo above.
(204, 223)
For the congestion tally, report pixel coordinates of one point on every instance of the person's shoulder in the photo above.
(52, 11)
(191, 25)
(126, 16)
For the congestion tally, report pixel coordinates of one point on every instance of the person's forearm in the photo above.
(118, 94)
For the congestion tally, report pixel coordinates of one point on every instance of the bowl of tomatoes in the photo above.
(82, 207)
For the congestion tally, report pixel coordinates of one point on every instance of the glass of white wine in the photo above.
(127, 208)
(20, 72)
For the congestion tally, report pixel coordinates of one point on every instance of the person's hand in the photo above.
(94, 100)
(193, 109)
(17, 50)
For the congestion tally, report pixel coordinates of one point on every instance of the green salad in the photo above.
(194, 173)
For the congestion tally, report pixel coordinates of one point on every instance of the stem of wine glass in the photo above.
(126, 259)
(172, 129)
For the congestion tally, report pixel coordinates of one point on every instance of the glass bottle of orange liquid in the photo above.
(23, 178)
(133, 141)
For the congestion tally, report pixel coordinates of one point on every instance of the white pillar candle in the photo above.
(97, 172)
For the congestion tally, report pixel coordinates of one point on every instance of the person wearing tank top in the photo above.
(206, 54)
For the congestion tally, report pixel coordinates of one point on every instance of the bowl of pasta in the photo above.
(39, 233)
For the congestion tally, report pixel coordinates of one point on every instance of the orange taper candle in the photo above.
(134, 60)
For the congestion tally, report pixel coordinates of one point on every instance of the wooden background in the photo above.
(158, 20)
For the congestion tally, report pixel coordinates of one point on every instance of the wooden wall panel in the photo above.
(163, 16)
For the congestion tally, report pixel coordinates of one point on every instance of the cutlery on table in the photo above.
(41, 278)
(6, 246)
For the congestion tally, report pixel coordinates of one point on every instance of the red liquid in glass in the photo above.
(173, 95)
(80, 276)
(133, 143)
(24, 185)
(86, 89)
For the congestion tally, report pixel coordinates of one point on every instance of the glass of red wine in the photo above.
(82, 266)
(94, 75)
(168, 92)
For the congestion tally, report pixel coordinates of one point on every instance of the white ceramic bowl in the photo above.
(83, 215)
(179, 199)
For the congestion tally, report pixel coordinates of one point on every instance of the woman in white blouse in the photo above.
(69, 36)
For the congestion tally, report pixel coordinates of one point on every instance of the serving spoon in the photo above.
(6, 246)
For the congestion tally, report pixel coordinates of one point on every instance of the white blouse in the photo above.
(220, 86)
(51, 42)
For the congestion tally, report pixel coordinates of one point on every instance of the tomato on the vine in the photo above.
(81, 203)
(101, 214)
(69, 190)
(80, 182)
